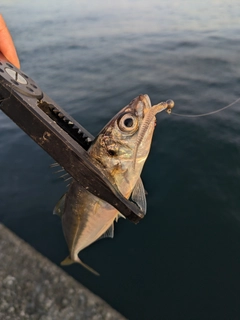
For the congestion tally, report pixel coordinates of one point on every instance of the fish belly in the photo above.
(85, 219)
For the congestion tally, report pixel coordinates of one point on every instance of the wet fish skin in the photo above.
(86, 218)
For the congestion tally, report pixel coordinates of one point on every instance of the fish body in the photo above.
(120, 150)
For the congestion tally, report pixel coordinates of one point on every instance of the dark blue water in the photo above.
(92, 58)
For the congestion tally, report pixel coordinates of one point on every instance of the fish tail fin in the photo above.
(68, 261)
(87, 267)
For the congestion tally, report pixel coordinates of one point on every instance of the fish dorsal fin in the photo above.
(64, 175)
(59, 208)
(109, 233)
(139, 196)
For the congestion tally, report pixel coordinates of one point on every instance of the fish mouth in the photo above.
(148, 114)
(143, 101)
(141, 105)
(145, 98)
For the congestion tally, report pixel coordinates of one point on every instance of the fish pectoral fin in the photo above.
(68, 261)
(139, 196)
(59, 208)
(109, 233)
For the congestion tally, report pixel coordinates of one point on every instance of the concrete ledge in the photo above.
(32, 287)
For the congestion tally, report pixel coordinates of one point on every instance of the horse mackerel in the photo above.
(120, 150)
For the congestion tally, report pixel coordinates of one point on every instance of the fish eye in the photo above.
(128, 123)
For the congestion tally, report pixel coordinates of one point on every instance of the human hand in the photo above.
(6, 44)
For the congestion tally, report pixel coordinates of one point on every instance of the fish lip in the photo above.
(141, 104)
(146, 100)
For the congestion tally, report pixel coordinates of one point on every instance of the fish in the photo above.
(120, 150)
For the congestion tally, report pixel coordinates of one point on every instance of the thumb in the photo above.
(6, 44)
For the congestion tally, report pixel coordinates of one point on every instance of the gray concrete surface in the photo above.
(32, 287)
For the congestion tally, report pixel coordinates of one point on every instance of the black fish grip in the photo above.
(63, 138)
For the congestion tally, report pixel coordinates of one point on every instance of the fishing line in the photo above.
(204, 114)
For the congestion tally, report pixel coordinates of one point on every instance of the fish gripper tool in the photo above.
(63, 138)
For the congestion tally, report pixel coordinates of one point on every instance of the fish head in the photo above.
(123, 145)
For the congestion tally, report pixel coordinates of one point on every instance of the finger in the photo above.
(6, 44)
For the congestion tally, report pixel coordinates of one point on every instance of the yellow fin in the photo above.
(68, 261)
